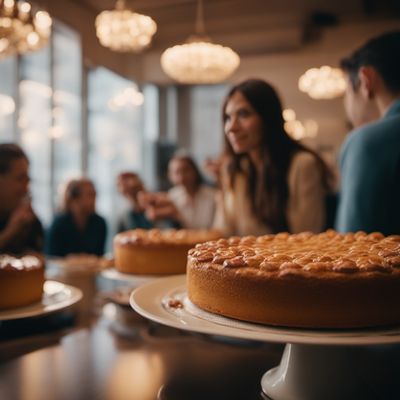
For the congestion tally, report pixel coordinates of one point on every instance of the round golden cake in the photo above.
(155, 251)
(21, 281)
(326, 280)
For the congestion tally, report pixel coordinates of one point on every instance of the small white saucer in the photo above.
(56, 296)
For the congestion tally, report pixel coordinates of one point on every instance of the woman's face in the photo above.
(180, 172)
(243, 127)
(87, 198)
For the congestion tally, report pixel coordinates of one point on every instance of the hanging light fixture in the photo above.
(323, 83)
(199, 61)
(21, 30)
(123, 30)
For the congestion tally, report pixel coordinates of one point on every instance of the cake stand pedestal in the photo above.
(316, 372)
(316, 364)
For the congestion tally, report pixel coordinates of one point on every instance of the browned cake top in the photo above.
(167, 236)
(8, 262)
(304, 252)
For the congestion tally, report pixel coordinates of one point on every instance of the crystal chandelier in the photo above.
(199, 61)
(21, 30)
(123, 30)
(323, 83)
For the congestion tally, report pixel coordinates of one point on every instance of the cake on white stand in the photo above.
(316, 364)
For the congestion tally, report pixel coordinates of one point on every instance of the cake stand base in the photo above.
(313, 372)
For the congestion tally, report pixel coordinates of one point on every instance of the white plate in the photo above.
(152, 301)
(133, 280)
(56, 296)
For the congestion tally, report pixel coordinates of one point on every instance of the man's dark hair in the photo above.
(8, 153)
(382, 53)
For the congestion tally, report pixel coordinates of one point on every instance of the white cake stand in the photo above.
(316, 364)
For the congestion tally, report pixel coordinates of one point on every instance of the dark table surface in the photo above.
(99, 349)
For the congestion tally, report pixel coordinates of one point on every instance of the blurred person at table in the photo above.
(129, 186)
(193, 199)
(78, 228)
(370, 156)
(270, 183)
(20, 229)
(190, 203)
(142, 205)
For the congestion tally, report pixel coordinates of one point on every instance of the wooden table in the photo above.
(102, 350)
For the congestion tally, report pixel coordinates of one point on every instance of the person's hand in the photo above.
(158, 206)
(21, 218)
(162, 211)
(146, 199)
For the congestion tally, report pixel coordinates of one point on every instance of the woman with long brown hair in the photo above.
(270, 182)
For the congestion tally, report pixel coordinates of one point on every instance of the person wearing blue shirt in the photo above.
(78, 229)
(129, 185)
(370, 156)
(137, 215)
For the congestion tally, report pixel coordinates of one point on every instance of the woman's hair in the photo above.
(269, 197)
(183, 156)
(73, 191)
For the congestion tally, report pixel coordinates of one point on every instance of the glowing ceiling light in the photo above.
(323, 83)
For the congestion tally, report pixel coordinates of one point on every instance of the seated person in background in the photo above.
(78, 229)
(370, 156)
(20, 229)
(129, 185)
(190, 202)
(194, 200)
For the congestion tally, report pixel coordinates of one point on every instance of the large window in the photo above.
(115, 139)
(206, 140)
(8, 79)
(34, 122)
(66, 131)
(41, 107)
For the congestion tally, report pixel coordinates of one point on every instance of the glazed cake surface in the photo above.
(155, 251)
(326, 280)
(21, 281)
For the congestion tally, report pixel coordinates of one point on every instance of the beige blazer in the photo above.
(305, 209)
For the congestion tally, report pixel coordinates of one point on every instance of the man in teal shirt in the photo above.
(370, 156)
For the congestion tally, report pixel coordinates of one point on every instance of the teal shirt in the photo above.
(370, 177)
(63, 236)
